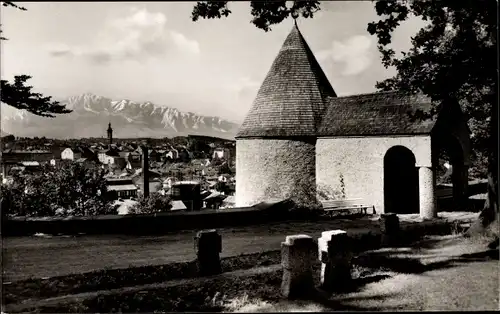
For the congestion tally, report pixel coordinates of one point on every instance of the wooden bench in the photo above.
(444, 193)
(346, 205)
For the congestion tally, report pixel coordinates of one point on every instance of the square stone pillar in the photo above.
(208, 246)
(296, 255)
(428, 208)
(335, 254)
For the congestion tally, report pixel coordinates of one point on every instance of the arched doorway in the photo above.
(400, 181)
(451, 173)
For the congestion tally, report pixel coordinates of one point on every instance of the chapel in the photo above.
(299, 136)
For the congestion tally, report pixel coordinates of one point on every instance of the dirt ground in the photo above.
(43, 256)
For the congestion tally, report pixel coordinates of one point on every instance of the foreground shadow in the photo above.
(391, 259)
(479, 256)
(403, 265)
(346, 304)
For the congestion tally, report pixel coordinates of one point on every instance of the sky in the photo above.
(153, 51)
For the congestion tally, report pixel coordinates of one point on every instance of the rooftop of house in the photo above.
(188, 182)
(214, 195)
(122, 187)
(117, 180)
(178, 205)
(30, 163)
(20, 152)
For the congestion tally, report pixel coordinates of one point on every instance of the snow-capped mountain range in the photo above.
(92, 113)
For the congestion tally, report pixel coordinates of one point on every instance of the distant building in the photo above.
(155, 184)
(214, 200)
(122, 188)
(78, 153)
(188, 192)
(172, 154)
(69, 154)
(221, 153)
(11, 158)
(205, 162)
(110, 156)
(167, 183)
(30, 166)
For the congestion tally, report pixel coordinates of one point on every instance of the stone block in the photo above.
(208, 241)
(296, 259)
(389, 223)
(335, 254)
(208, 245)
(390, 229)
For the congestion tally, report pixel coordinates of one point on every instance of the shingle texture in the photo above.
(381, 113)
(291, 100)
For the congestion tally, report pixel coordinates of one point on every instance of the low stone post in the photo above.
(389, 226)
(208, 246)
(296, 257)
(335, 254)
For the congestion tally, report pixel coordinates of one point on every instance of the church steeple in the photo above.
(110, 134)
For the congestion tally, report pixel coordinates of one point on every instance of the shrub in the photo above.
(75, 188)
(154, 203)
(326, 192)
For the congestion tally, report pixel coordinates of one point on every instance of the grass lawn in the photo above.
(437, 273)
(41, 257)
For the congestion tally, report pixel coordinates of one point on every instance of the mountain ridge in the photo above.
(92, 113)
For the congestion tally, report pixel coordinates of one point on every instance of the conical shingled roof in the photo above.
(293, 96)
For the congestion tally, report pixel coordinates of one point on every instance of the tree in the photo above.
(82, 189)
(12, 197)
(20, 96)
(154, 203)
(72, 189)
(265, 13)
(454, 57)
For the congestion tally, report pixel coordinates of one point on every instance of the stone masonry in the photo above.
(361, 162)
(275, 169)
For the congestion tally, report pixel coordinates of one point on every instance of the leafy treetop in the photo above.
(265, 13)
